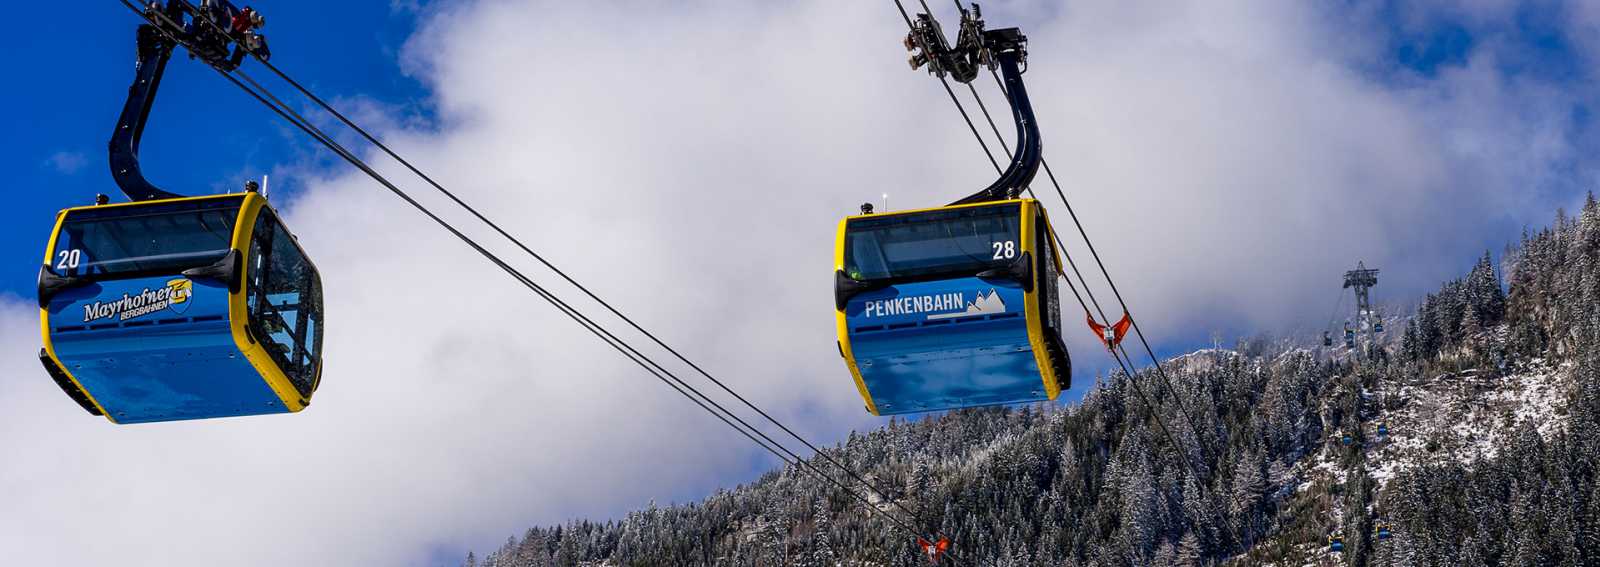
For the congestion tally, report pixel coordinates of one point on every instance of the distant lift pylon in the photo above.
(956, 306)
(170, 307)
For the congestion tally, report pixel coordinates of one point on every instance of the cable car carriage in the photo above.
(170, 307)
(951, 307)
(180, 309)
(956, 306)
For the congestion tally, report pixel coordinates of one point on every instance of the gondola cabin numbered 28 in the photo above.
(188, 308)
(950, 307)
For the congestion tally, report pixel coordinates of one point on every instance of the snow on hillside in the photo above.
(1462, 415)
(1465, 415)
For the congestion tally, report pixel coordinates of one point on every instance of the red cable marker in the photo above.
(934, 550)
(1111, 336)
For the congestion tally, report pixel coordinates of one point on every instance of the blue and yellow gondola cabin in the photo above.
(951, 307)
(185, 308)
(956, 306)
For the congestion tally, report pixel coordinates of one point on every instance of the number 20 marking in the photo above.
(1005, 250)
(69, 259)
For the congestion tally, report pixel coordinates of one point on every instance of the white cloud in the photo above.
(690, 163)
(66, 163)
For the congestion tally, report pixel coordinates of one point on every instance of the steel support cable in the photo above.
(1160, 371)
(984, 108)
(584, 289)
(1127, 371)
(1154, 410)
(787, 456)
(1124, 355)
(1087, 290)
(287, 113)
(623, 347)
(1183, 406)
(1087, 242)
(1110, 282)
(952, 93)
(1070, 263)
(1337, 305)
(1228, 529)
(1007, 149)
(1155, 413)
(633, 354)
(1139, 390)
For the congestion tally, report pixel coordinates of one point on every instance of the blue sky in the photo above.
(1230, 159)
(204, 134)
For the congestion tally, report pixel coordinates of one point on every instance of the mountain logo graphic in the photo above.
(986, 304)
(178, 292)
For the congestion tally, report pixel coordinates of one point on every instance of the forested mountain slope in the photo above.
(1491, 457)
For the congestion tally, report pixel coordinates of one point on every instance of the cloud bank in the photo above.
(690, 163)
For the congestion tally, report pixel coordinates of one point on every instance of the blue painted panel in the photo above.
(157, 349)
(944, 344)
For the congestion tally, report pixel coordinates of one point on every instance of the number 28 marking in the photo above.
(1005, 250)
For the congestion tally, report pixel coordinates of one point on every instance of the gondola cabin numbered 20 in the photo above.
(950, 307)
(188, 308)
(169, 307)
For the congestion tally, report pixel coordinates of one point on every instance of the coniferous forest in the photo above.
(1468, 434)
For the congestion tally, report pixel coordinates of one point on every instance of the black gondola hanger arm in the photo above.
(1003, 49)
(215, 32)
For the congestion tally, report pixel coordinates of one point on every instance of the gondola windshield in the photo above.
(284, 299)
(947, 241)
(154, 238)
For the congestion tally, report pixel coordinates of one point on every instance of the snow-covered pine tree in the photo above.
(822, 552)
